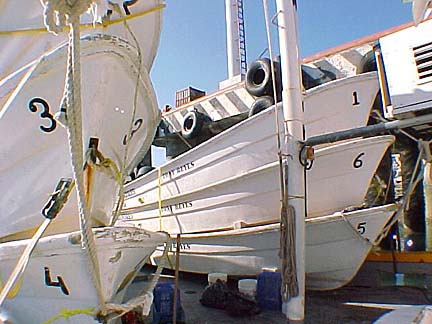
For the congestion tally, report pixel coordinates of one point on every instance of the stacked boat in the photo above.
(119, 118)
(223, 196)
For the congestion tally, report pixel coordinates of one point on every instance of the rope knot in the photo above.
(60, 13)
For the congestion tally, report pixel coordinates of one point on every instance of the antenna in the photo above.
(236, 42)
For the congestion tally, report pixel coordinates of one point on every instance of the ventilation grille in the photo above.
(423, 59)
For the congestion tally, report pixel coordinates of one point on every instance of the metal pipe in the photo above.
(367, 131)
(293, 118)
(233, 49)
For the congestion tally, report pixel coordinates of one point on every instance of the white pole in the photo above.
(233, 47)
(293, 117)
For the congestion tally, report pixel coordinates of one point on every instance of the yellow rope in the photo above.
(160, 198)
(83, 26)
(68, 313)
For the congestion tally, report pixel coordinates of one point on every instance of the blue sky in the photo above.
(192, 46)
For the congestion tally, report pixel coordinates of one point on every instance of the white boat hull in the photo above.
(29, 175)
(41, 295)
(340, 104)
(337, 105)
(234, 177)
(24, 37)
(336, 247)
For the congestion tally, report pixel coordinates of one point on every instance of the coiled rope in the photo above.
(287, 251)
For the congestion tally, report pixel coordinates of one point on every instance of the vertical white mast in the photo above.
(293, 117)
(236, 47)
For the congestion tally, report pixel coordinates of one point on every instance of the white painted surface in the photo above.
(29, 175)
(121, 252)
(19, 49)
(336, 246)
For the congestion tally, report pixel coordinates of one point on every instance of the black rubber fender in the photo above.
(259, 78)
(367, 63)
(192, 124)
(261, 104)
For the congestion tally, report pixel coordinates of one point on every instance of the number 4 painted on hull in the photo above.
(59, 283)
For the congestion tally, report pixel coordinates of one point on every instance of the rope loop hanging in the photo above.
(57, 15)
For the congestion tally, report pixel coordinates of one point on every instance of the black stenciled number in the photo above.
(33, 106)
(59, 283)
(356, 101)
(126, 5)
(358, 163)
(137, 125)
(361, 227)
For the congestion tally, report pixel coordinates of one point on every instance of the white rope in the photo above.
(272, 69)
(58, 198)
(58, 14)
(120, 200)
(23, 261)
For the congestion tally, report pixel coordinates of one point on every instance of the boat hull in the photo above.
(29, 175)
(335, 248)
(340, 105)
(41, 295)
(334, 106)
(227, 181)
(24, 37)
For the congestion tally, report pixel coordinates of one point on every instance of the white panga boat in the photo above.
(57, 281)
(336, 247)
(339, 104)
(23, 36)
(119, 118)
(231, 181)
(234, 177)
(29, 175)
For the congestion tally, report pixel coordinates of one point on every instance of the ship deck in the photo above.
(360, 302)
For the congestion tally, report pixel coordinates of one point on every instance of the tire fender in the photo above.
(259, 78)
(192, 124)
(261, 104)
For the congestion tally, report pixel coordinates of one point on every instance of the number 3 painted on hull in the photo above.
(45, 114)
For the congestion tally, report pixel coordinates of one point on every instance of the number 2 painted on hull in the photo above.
(137, 124)
(126, 5)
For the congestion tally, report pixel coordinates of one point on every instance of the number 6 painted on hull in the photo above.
(358, 163)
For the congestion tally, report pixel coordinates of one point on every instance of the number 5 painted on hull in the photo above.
(361, 227)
